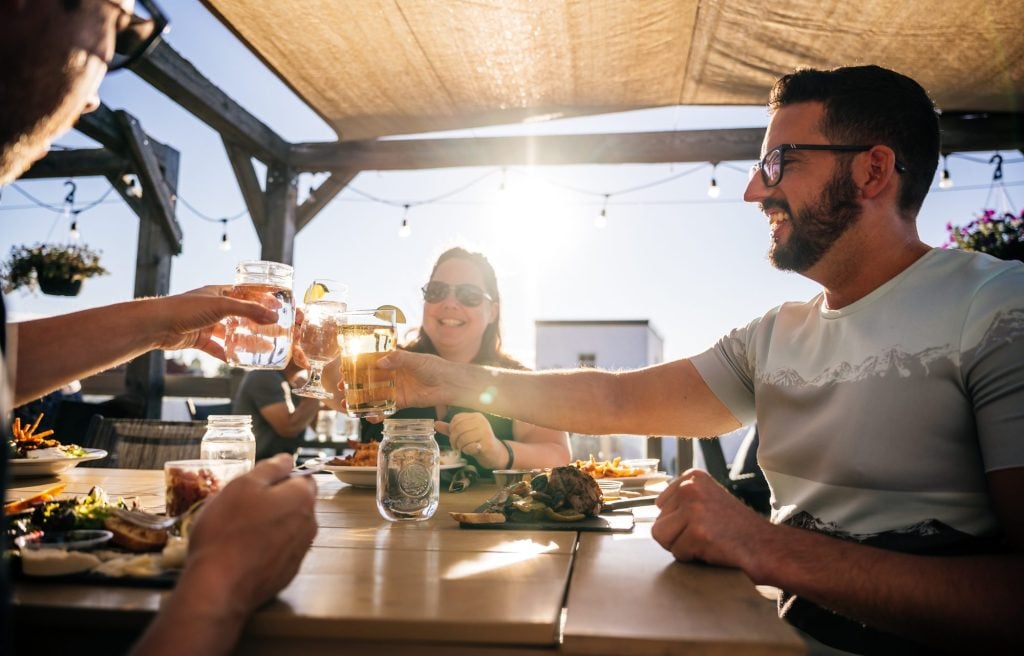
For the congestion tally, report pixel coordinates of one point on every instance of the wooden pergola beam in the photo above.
(319, 197)
(961, 132)
(971, 131)
(155, 192)
(624, 148)
(249, 184)
(80, 162)
(170, 73)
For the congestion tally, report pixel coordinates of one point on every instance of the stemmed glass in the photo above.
(318, 337)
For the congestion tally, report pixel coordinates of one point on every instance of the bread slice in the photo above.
(478, 518)
(135, 538)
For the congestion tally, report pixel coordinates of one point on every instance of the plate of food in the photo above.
(79, 539)
(361, 476)
(563, 499)
(631, 473)
(52, 465)
(31, 453)
(354, 475)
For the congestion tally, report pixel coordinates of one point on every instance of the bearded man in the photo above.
(890, 407)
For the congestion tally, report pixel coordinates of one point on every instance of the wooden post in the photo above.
(159, 241)
(281, 203)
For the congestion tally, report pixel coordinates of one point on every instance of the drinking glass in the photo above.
(251, 345)
(364, 337)
(318, 336)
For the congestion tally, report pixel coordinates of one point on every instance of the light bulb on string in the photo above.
(946, 182)
(601, 221)
(502, 188)
(225, 244)
(404, 230)
(68, 212)
(713, 189)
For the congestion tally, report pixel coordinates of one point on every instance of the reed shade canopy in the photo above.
(383, 67)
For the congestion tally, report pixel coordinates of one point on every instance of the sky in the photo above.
(695, 267)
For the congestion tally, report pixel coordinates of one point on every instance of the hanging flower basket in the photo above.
(55, 269)
(60, 286)
(1000, 236)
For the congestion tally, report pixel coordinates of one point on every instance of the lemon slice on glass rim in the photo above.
(314, 293)
(382, 313)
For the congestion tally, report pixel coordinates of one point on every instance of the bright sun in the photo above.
(534, 220)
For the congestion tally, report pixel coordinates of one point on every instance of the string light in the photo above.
(225, 243)
(601, 222)
(713, 189)
(946, 182)
(132, 187)
(404, 230)
(501, 185)
(68, 211)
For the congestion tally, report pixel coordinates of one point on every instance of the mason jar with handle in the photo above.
(408, 470)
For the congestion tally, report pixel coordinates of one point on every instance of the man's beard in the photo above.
(813, 230)
(34, 112)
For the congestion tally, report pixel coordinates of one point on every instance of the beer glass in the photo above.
(318, 335)
(251, 345)
(364, 337)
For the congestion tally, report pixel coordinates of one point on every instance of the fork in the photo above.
(149, 520)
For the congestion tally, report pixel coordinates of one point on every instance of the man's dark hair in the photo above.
(872, 105)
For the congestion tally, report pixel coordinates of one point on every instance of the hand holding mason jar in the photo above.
(250, 345)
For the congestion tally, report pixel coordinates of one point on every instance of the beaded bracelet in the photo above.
(511, 454)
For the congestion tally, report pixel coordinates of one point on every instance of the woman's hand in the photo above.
(471, 433)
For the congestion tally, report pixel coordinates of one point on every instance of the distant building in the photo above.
(611, 345)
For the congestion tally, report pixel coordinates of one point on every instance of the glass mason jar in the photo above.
(248, 344)
(408, 470)
(229, 437)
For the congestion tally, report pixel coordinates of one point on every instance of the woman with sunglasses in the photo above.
(461, 322)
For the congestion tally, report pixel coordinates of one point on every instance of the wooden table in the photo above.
(369, 586)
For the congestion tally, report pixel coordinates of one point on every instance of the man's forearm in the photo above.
(965, 601)
(527, 396)
(56, 350)
(669, 399)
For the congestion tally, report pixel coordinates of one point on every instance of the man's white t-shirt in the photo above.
(878, 421)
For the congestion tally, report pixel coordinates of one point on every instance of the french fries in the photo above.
(49, 494)
(26, 438)
(607, 468)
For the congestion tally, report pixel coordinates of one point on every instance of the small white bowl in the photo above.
(646, 464)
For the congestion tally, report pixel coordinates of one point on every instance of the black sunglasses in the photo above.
(773, 163)
(139, 37)
(467, 294)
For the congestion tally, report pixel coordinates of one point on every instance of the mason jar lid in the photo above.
(407, 427)
(264, 271)
(229, 420)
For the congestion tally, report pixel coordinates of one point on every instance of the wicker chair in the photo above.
(144, 443)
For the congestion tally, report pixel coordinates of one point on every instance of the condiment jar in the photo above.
(408, 470)
(229, 437)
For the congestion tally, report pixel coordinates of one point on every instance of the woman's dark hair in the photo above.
(490, 352)
(867, 105)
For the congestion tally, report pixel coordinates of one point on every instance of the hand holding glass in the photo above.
(248, 344)
(318, 336)
(364, 337)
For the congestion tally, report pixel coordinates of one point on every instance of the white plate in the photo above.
(633, 482)
(365, 476)
(24, 467)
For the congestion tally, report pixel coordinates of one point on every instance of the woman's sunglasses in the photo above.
(467, 294)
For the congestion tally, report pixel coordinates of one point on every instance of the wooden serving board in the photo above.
(613, 522)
